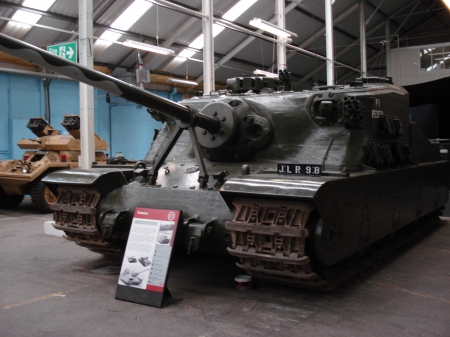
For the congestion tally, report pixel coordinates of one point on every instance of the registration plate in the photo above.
(300, 169)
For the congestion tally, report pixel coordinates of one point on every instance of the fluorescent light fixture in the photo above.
(265, 73)
(447, 2)
(176, 80)
(148, 47)
(271, 28)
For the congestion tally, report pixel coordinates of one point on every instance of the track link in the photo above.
(269, 238)
(75, 212)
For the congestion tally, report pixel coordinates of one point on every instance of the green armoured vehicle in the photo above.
(304, 188)
(49, 152)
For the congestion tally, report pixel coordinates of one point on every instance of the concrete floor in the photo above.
(51, 287)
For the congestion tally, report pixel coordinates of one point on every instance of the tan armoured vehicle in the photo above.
(49, 152)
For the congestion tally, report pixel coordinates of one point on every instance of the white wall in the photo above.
(405, 65)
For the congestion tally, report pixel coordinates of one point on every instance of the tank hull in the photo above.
(356, 211)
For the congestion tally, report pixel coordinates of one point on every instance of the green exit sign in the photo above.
(66, 50)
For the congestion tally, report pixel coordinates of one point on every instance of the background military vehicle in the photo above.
(305, 188)
(49, 152)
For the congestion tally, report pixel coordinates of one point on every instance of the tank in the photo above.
(48, 152)
(132, 259)
(130, 278)
(144, 261)
(304, 188)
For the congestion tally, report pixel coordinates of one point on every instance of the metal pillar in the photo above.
(329, 42)
(340, 53)
(248, 40)
(281, 45)
(362, 30)
(388, 48)
(208, 47)
(86, 91)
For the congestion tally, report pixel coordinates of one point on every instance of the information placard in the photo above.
(145, 266)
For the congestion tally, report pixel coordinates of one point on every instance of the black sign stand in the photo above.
(152, 235)
(150, 298)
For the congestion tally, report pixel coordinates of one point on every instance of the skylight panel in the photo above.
(31, 18)
(26, 17)
(231, 15)
(124, 22)
(217, 29)
(42, 5)
(197, 43)
(238, 9)
(186, 53)
(110, 36)
(131, 15)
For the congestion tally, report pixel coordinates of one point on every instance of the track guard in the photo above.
(103, 180)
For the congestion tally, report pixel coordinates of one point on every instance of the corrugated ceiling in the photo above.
(417, 21)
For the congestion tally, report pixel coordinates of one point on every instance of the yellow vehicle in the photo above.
(49, 152)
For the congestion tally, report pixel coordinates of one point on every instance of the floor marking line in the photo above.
(21, 216)
(412, 292)
(64, 292)
(438, 250)
(18, 224)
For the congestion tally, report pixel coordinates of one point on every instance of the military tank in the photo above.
(49, 152)
(130, 278)
(305, 188)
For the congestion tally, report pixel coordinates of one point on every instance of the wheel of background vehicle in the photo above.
(42, 197)
(8, 201)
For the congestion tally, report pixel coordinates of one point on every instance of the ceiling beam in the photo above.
(342, 52)
(37, 11)
(434, 13)
(71, 19)
(349, 74)
(153, 39)
(246, 42)
(320, 32)
(337, 28)
(309, 75)
(407, 17)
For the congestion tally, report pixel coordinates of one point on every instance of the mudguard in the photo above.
(362, 209)
(104, 180)
(272, 186)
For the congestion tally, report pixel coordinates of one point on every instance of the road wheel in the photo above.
(8, 201)
(42, 197)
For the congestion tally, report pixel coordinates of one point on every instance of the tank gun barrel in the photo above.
(107, 83)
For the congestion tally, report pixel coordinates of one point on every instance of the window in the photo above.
(434, 59)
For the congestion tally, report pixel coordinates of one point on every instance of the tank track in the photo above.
(269, 238)
(75, 213)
